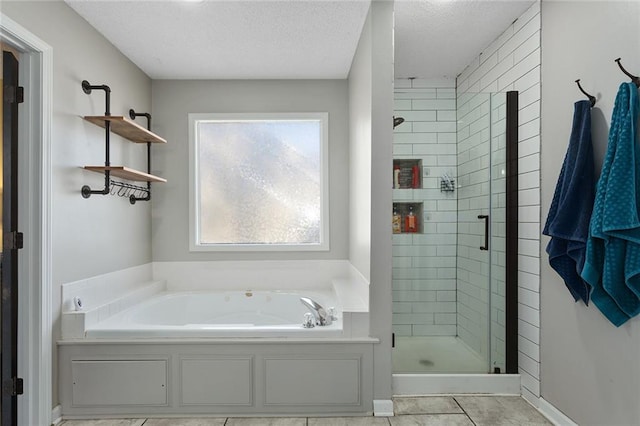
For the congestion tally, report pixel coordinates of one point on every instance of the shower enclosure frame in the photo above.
(511, 235)
(508, 382)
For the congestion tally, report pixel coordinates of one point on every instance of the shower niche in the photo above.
(407, 173)
(410, 215)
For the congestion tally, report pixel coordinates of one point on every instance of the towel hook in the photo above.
(634, 79)
(592, 98)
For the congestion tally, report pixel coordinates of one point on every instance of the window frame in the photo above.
(194, 192)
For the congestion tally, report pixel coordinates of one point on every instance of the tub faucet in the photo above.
(317, 311)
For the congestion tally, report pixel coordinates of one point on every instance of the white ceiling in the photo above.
(292, 39)
(439, 38)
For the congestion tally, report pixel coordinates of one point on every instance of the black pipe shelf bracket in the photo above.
(134, 133)
(146, 195)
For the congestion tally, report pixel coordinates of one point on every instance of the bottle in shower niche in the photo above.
(410, 221)
(415, 177)
(397, 221)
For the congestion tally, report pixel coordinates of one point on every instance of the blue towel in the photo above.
(570, 211)
(612, 265)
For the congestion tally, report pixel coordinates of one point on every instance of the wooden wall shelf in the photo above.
(125, 128)
(131, 131)
(123, 172)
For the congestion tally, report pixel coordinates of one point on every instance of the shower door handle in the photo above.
(486, 231)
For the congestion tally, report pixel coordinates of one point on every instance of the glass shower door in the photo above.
(473, 296)
(473, 276)
(498, 232)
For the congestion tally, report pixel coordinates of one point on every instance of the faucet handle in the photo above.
(308, 320)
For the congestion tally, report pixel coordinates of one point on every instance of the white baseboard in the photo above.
(438, 384)
(56, 415)
(383, 408)
(556, 416)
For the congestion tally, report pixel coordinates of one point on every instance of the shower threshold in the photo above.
(436, 384)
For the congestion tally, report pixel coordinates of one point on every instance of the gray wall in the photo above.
(173, 100)
(360, 154)
(590, 370)
(371, 130)
(104, 233)
(381, 196)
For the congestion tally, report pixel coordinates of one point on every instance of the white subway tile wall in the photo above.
(474, 152)
(512, 62)
(424, 265)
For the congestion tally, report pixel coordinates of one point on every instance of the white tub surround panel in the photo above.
(353, 296)
(100, 289)
(424, 264)
(311, 371)
(332, 283)
(512, 62)
(209, 377)
(252, 274)
(76, 323)
(103, 296)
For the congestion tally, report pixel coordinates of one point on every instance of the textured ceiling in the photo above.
(439, 38)
(292, 39)
(286, 39)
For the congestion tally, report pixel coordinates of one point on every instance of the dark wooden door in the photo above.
(11, 240)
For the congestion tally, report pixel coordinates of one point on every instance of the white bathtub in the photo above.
(202, 314)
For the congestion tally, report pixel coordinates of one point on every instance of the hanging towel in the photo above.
(612, 265)
(570, 212)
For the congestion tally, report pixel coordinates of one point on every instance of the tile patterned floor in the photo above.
(409, 411)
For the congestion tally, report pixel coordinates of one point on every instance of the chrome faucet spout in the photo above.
(317, 311)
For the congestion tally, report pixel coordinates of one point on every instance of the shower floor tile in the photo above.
(435, 354)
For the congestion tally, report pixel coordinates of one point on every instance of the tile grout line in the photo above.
(464, 411)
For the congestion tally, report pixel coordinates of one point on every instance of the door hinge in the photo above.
(13, 386)
(13, 94)
(393, 340)
(13, 240)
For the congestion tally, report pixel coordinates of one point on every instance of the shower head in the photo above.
(397, 121)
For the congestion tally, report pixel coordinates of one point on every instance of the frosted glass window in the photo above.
(259, 181)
